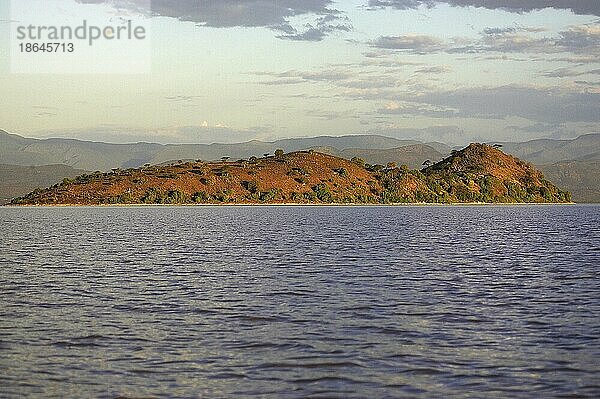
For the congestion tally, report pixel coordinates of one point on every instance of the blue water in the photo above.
(294, 302)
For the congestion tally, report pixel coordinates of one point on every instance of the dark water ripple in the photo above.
(291, 302)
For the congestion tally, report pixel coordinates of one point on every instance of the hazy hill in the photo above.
(89, 155)
(573, 164)
(412, 155)
(582, 178)
(542, 152)
(17, 150)
(478, 173)
(19, 180)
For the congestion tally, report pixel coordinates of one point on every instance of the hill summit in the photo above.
(486, 174)
(478, 173)
(483, 159)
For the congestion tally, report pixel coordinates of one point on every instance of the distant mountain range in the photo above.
(18, 179)
(543, 152)
(581, 178)
(574, 163)
(18, 150)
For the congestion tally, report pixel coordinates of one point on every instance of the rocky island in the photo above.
(478, 173)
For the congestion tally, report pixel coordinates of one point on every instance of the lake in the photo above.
(294, 302)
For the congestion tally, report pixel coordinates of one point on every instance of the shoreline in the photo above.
(292, 204)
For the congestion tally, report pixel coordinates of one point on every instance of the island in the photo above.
(479, 173)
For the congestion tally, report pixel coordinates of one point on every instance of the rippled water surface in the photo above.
(291, 302)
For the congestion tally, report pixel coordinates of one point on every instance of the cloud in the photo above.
(282, 82)
(357, 79)
(44, 114)
(538, 128)
(408, 108)
(583, 7)
(42, 111)
(434, 70)
(414, 43)
(316, 32)
(583, 39)
(587, 83)
(296, 77)
(567, 72)
(183, 98)
(332, 115)
(546, 105)
(498, 31)
(270, 14)
(580, 40)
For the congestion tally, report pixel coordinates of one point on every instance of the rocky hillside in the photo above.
(478, 173)
(485, 174)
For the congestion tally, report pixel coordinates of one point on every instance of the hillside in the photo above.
(19, 180)
(545, 151)
(483, 173)
(581, 177)
(87, 155)
(478, 173)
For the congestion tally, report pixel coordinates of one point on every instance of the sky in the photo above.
(452, 71)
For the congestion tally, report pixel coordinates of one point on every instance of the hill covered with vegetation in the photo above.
(478, 173)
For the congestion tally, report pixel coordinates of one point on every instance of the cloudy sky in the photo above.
(453, 71)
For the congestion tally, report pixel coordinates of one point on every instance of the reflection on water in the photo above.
(300, 301)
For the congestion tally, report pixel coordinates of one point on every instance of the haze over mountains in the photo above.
(572, 164)
(18, 150)
(546, 151)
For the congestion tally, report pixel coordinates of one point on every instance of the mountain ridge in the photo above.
(91, 155)
(98, 155)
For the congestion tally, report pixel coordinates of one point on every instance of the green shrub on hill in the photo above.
(154, 196)
(322, 192)
(251, 186)
(200, 197)
(176, 197)
(341, 171)
(269, 195)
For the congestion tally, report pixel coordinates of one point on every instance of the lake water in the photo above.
(293, 302)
